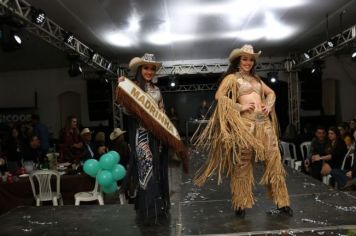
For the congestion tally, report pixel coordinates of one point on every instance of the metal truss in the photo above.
(189, 88)
(52, 33)
(324, 49)
(213, 68)
(294, 99)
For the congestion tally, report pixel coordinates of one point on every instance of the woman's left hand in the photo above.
(266, 110)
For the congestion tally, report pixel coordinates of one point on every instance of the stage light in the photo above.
(68, 37)
(75, 69)
(313, 70)
(17, 39)
(353, 55)
(272, 76)
(38, 16)
(172, 82)
(273, 80)
(306, 55)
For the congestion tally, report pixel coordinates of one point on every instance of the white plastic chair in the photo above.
(45, 193)
(287, 154)
(94, 195)
(305, 149)
(350, 154)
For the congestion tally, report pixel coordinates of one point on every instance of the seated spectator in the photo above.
(337, 150)
(318, 149)
(344, 178)
(119, 144)
(100, 143)
(88, 145)
(353, 129)
(41, 131)
(72, 147)
(33, 151)
(13, 148)
(345, 135)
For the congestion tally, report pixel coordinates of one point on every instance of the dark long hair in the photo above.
(140, 80)
(234, 67)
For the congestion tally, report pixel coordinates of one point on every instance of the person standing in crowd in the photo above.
(14, 147)
(119, 145)
(41, 131)
(203, 112)
(89, 147)
(242, 130)
(72, 147)
(318, 149)
(148, 164)
(345, 133)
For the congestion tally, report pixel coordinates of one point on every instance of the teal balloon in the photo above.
(107, 161)
(105, 178)
(111, 188)
(116, 155)
(91, 167)
(118, 172)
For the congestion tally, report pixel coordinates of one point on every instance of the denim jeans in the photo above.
(339, 177)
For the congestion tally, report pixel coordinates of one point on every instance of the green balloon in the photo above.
(116, 155)
(118, 172)
(105, 178)
(91, 167)
(107, 161)
(111, 188)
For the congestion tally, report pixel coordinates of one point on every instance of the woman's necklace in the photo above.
(246, 76)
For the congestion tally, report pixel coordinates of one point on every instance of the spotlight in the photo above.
(330, 43)
(273, 80)
(93, 55)
(38, 16)
(68, 37)
(10, 38)
(172, 82)
(307, 55)
(75, 69)
(272, 76)
(353, 55)
(313, 70)
(17, 38)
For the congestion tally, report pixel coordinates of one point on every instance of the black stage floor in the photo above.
(318, 210)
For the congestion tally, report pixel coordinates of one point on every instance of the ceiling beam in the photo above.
(52, 33)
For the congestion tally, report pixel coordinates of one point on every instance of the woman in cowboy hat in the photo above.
(148, 165)
(243, 129)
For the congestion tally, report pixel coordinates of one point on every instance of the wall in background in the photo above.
(17, 90)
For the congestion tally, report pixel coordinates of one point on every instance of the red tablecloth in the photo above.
(20, 193)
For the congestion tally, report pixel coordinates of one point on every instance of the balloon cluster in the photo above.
(107, 170)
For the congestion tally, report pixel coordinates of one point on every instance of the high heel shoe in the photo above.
(240, 213)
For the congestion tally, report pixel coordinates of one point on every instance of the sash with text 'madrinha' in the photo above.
(146, 110)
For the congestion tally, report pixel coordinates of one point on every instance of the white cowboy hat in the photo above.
(245, 49)
(85, 131)
(147, 58)
(116, 133)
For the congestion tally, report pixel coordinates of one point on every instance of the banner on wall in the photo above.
(13, 115)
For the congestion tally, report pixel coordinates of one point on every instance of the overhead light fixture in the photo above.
(272, 76)
(68, 37)
(17, 39)
(353, 55)
(38, 16)
(313, 70)
(75, 69)
(172, 82)
(307, 55)
(10, 38)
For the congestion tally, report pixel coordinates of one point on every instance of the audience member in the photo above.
(88, 145)
(337, 150)
(41, 131)
(173, 116)
(33, 151)
(13, 148)
(119, 144)
(318, 149)
(72, 147)
(100, 143)
(344, 178)
(203, 112)
(344, 133)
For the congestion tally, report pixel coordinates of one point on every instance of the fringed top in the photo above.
(226, 134)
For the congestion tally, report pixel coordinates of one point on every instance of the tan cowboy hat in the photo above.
(147, 58)
(245, 49)
(85, 131)
(116, 133)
